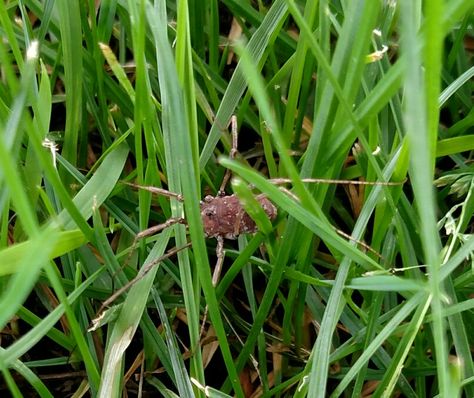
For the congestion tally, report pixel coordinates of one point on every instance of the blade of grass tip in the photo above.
(106, 20)
(25, 24)
(385, 283)
(161, 388)
(45, 13)
(210, 392)
(246, 12)
(458, 258)
(175, 125)
(420, 115)
(118, 70)
(105, 250)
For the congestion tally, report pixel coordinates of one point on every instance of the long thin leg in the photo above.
(220, 260)
(232, 154)
(149, 232)
(158, 191)
(342, 233)
(143, 271)
(215, 276)
(157, 228)
(280, 181)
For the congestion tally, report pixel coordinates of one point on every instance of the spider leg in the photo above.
(232, 154)
(215, 276)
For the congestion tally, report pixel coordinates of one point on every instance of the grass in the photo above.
(143, 92)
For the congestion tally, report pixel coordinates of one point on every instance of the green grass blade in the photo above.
(421, 116)
(182, 175)
(127, 323)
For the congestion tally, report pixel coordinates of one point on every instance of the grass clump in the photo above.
(355, 290)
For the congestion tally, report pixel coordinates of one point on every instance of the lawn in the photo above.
(354, 118)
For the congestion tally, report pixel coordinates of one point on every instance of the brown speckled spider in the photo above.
(223, 217)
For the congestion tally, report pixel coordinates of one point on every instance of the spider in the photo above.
(223, 217)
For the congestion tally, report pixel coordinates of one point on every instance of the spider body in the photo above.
(224, 216)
